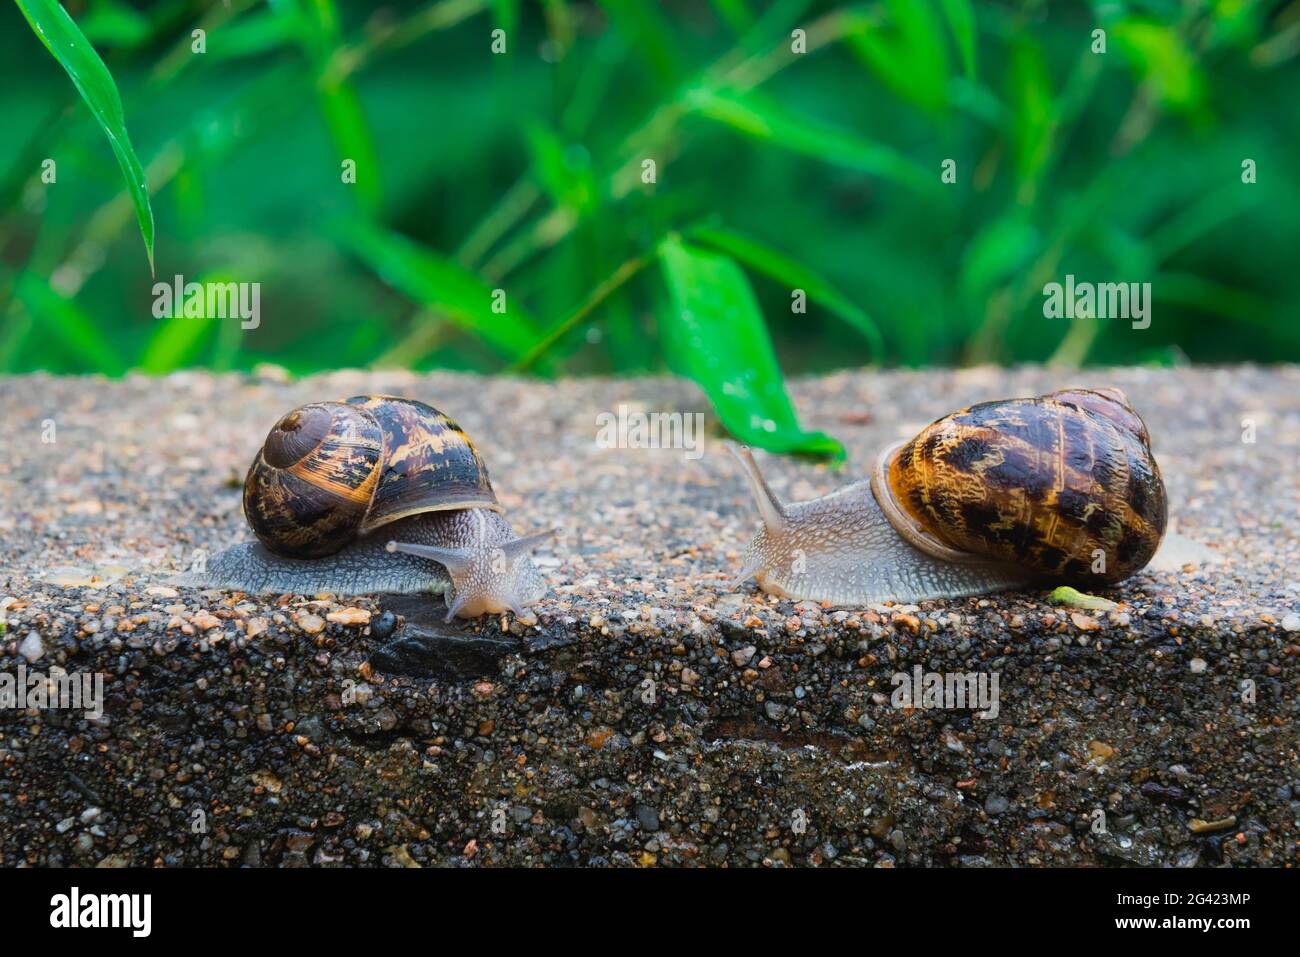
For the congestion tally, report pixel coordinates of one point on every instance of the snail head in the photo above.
(490, 578)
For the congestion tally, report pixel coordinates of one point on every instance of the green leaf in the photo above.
(909, 57)
(995, 253)
(645, 29)
(74, 330)
(339, 101)
(256, 34)
(1158, 54)
(505, 14)
(95, 84)
(734, 14)
(795, 275)
(565, 172)
(1031, 104)
(113, 23)
(961, 21)
(715, 335)
(774, 24)
(176, 342)
(756, 115)
(443, 286)
(351, 135)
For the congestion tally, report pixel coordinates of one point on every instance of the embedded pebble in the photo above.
(31, 648)
(205, 621)
(349, 616)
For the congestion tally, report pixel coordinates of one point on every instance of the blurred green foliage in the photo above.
(781, 161)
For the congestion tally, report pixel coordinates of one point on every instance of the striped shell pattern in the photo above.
(1063, 484)
(331, 471)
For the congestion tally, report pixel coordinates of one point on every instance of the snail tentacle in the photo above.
(453, 559)
(490, 569)
(746, 573)
(769, 506)
(525, 545)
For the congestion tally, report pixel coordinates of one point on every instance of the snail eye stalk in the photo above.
(769, 506)
(522, 546)
(456, 560)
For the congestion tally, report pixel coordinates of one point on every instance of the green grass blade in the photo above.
(346, 121)
(564, 173)
(774, 24)
(339, 102)
(961, 21)
(762, 118)
(1032, 106)
(645, 29)
(1198, 218)
(114, 23)
(788, 272)
(505, 15)
(439, 284)
(582, 313)
(75, 331)
(734, 14)
(998, 251)
(715, 334)
(1159, 55)
(1219, 299)
(256, 34)
(179, 340)
(95, 84)
(176, 343)
(909, 56)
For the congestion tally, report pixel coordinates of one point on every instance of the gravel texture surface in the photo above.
(648, 716)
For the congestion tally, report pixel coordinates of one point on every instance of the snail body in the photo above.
(1005, 494)
(377, 494)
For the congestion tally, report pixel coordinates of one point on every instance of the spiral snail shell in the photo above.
(331, 471)
(998, 495)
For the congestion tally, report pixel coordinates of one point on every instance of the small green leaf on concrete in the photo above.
(1065, 595)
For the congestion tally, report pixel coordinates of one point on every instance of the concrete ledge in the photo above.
(649, 716)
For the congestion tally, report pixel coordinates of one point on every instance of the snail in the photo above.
(999, 495)
(377, 494)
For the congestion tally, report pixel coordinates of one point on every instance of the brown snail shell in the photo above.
(330, 472)
(1063, 485)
